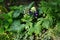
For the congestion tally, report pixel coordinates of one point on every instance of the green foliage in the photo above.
(37, 28)
(1, 30)
(16, 14)
(1, 0)
(18, 24)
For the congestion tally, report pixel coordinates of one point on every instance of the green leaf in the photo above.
(10, 20)
(1, 30)
(30, 30)
(16, 26)
(5, 16)
(26, 18)
(31, 4)
(1, 0)
(14, 7)
(21, 8)
(10, 13)
(28, 24)
(16, 14)
(46, 24)
(6, 26)
(37, 28)
(57, 29)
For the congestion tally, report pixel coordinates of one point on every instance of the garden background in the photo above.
(29, 19)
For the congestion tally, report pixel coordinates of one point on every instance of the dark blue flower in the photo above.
(35, 14)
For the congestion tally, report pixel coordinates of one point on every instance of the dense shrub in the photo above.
(30, 22)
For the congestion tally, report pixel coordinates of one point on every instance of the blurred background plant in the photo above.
(18, 22)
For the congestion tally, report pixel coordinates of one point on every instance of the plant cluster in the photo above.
(27, 22)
